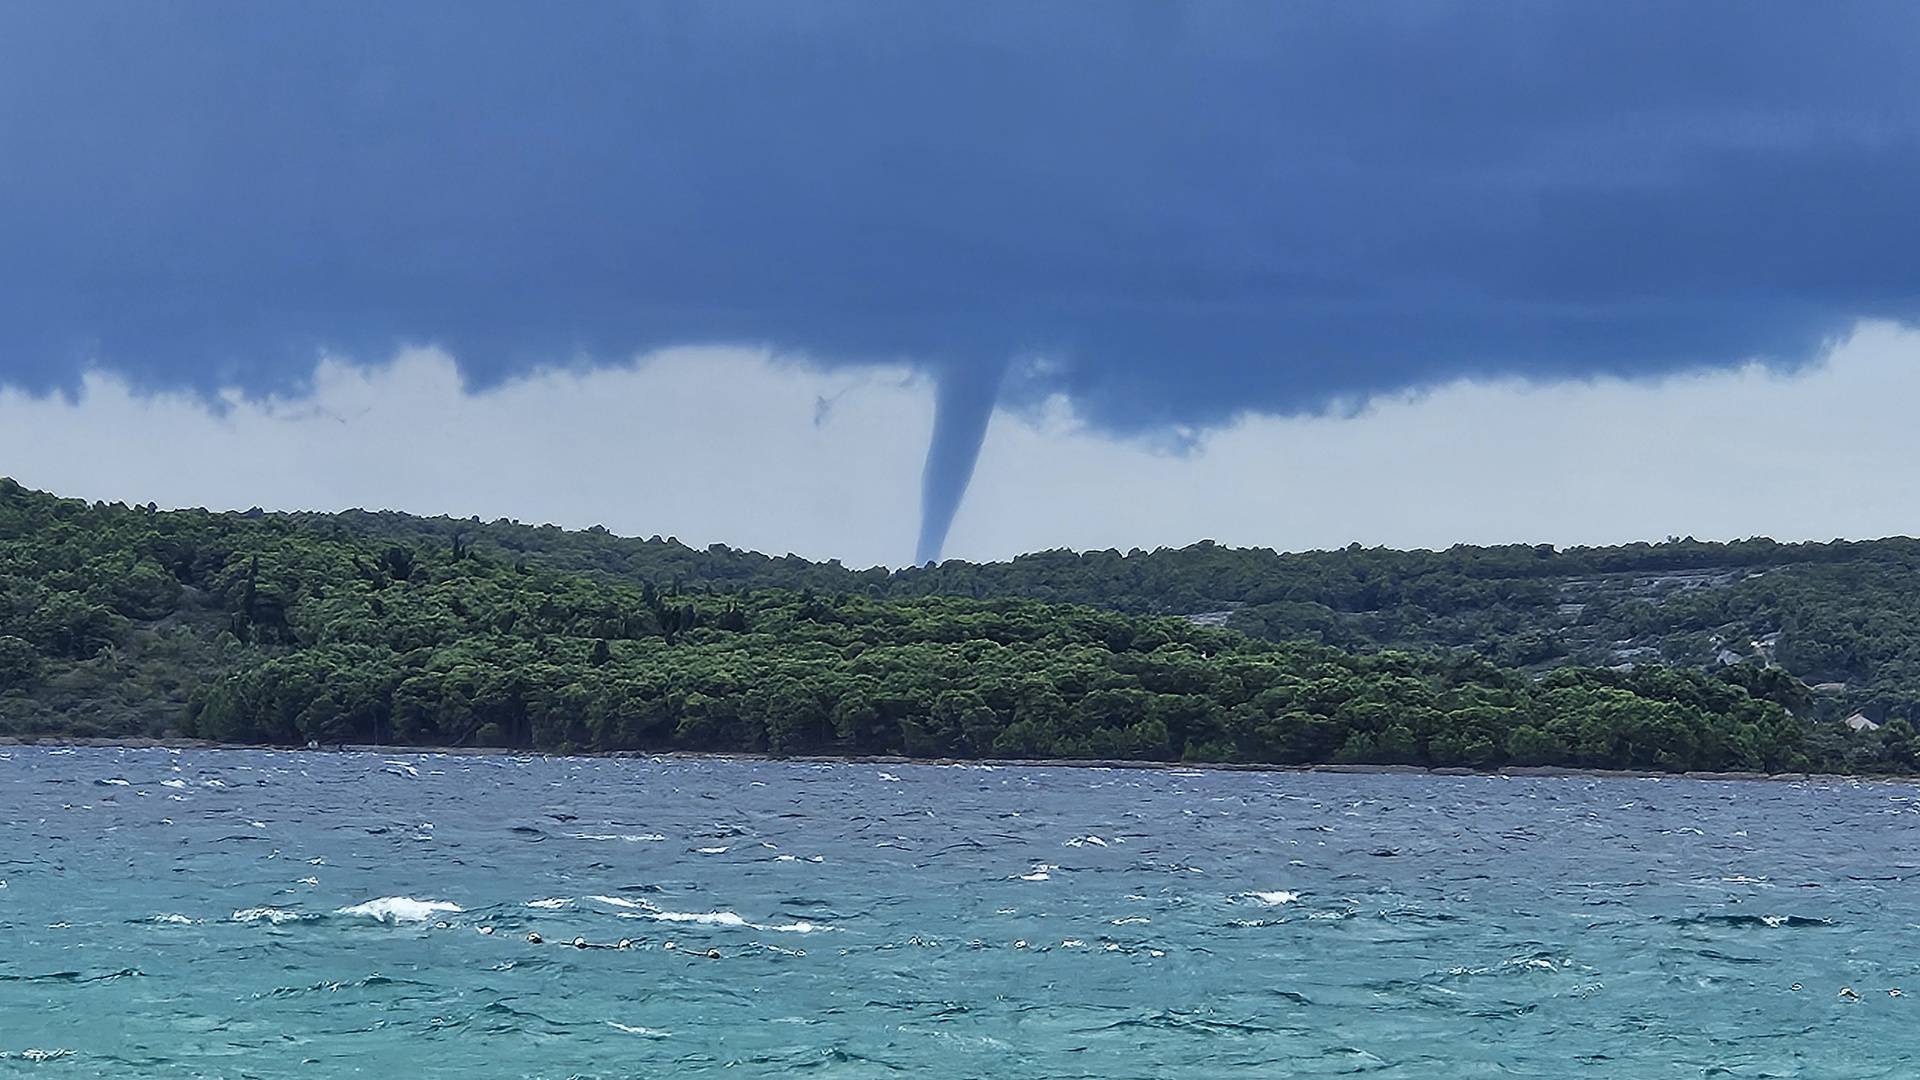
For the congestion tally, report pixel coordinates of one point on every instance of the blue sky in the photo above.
(1165, 215)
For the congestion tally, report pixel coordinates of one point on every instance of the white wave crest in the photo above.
(1270, 899)
(801, 927)
(703, 918)
(399, 909)
(273, 915)
(647, 1032)
(551, 903)
(640, 909)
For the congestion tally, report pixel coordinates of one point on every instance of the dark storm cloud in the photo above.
(1195, 209)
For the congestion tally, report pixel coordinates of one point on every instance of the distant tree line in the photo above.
(290, 628)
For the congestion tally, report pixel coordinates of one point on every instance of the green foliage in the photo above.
(382, 628)
(1841, 612)
(19, 663)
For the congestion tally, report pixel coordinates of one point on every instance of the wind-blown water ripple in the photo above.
(235, 913)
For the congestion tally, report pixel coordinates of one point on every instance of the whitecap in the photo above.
(551, 903)
(273, 915)
(711, 850)
(1041, 872)
(640, 909)
(174, 783)
(399, 909)
(1083, 841)
(643, 1031)
(1270, 899)
(889, 778)
(629, 838)
(703, 918)
(1132, 920)
(115, 782)
(171, 919)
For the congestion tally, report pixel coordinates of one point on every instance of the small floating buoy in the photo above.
(486, 929)
(712, 954)
(579, 943)
(534, 939)
(1796, 986)
(625, 943)
(1893, 991)
(1847, 993)
(668, 945)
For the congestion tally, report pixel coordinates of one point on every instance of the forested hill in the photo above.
(283, 629)
(1842, 616)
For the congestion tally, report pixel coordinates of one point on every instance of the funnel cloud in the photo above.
(1203, 210)
(963, 403)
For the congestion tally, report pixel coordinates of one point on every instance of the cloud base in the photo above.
(742, 447)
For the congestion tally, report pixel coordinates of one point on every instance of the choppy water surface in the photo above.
(240, 914)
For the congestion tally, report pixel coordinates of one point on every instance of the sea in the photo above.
(229, 913)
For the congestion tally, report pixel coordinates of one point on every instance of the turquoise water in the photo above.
(239, 914)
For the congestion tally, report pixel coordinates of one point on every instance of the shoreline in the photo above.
(1512, 771)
